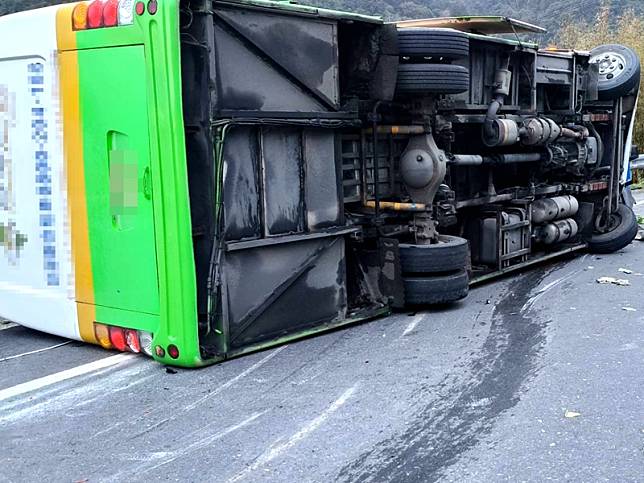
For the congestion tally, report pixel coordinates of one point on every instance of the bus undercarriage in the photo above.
(340, 167)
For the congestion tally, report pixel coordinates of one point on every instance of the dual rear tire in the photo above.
(436, 274)
(427, 67)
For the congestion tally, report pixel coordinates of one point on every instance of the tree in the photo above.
(626, 29)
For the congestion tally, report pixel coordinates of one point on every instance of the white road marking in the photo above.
(38, 351)
(412, 325)
(197, 445)
(7, 325)
(36, 384)
(251, 369)
(104, 383)
(276, 450)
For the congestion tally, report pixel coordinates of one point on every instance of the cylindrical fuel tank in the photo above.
(548, 209)
(556, 232)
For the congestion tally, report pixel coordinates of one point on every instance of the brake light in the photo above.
(111, 13)
(117, 336)
(173, 351)
(140, 8)
(95, 14)
(103, 13)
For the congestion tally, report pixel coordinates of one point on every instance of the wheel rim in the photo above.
(611, 65)
(604, 225)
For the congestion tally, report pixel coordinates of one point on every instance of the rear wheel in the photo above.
(623, 232)
(437, 289)
(436, 43)
(451, 253)
(432, 78)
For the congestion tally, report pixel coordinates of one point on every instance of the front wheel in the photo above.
(619, 70)
(623, 232)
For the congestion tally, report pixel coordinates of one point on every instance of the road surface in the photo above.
(536, 377)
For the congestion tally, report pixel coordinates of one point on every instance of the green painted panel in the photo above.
(116, 147)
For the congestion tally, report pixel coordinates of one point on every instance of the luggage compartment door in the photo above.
(116, 151)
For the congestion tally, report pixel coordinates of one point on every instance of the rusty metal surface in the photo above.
(476, 24)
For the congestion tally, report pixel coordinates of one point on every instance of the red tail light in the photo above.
(140, 8)
(95, 14)
(117, 336)
(173, 351)
(111, 13)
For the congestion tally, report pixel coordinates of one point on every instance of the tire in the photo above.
(432, 78)
(427, 42)
(621, 236)
(619, 70)
(448, 255)
(439, 289)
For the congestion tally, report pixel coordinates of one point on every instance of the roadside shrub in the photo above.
(626, 29)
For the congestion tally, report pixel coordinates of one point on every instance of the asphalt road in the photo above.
(535, 377)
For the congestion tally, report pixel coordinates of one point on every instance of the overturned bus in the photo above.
(199, 179)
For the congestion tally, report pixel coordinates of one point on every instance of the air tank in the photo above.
(548, 209)
(556, 232)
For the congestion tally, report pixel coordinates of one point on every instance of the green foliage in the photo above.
(547, 13)
(627, 29)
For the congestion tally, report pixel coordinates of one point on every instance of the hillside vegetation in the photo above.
(627, 29)
(547, 13)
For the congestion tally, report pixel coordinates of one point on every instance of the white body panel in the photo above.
(36, 272)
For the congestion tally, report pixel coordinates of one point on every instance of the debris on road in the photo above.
(571, 414)
(614, 281)
(640, 235)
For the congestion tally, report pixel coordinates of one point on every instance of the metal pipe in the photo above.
(376, 164)
(516, 158)
(614, 159)
(394, 130)
(466, 160)
(491, 116)
(573, 134)
(495, 106)
(477, 160)
(393, 206)
(620, 153)
(600, 143)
